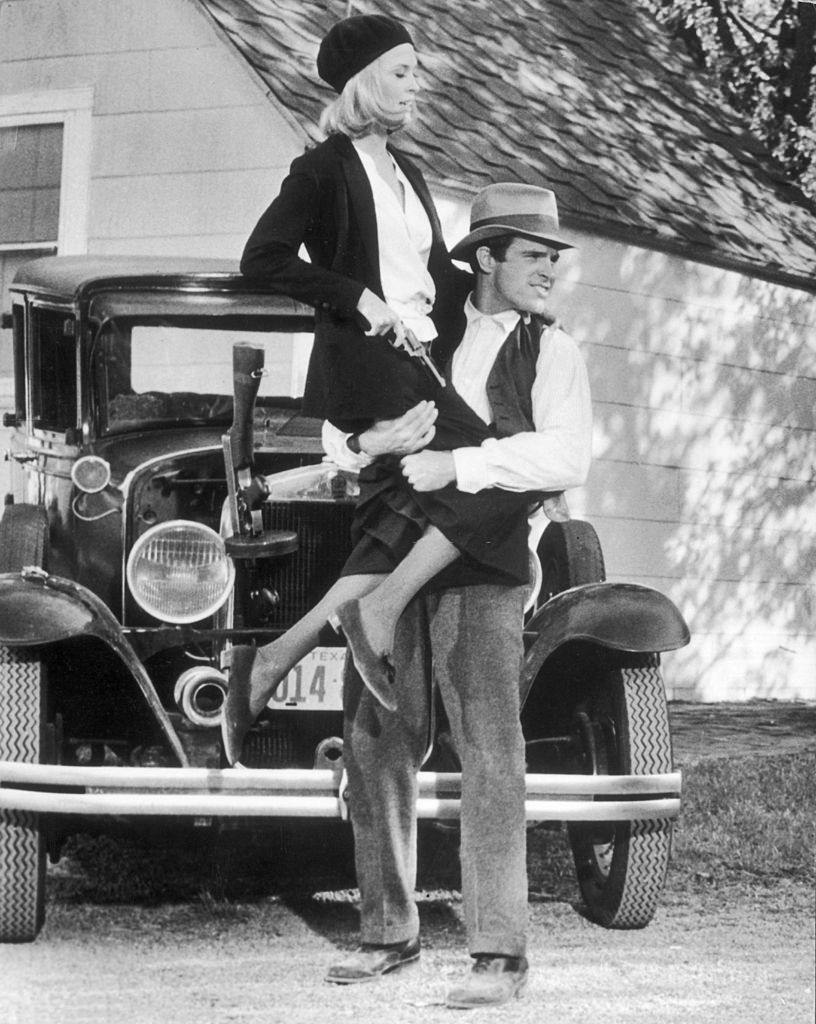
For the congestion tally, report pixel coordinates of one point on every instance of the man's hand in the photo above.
(408, 433)
(428, 471)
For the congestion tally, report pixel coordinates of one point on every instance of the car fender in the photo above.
(37, 609)
(619, 616)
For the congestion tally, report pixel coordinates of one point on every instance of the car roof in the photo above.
(77, 278)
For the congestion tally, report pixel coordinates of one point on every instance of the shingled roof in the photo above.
(592, 99)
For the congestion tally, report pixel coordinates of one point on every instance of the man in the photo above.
(519, 371)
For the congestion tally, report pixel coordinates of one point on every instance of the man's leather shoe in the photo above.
(492, 980)
(370, 962)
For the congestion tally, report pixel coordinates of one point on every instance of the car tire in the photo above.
(23, 537)
(23, 541)
(22, 839)
(570, 555)
(623, 726)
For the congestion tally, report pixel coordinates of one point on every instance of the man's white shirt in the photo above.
(553, 457)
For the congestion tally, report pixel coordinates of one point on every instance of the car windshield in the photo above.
(177, 371)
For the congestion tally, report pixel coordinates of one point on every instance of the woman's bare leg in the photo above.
(275, 660)
(255, 674)
(368, 607)
(381, 599)
(380, 608)
(369, 622)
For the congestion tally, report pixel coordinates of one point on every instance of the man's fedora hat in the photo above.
(511, 208)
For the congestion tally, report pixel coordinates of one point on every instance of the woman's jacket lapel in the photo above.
(452, 284)
(360, 207)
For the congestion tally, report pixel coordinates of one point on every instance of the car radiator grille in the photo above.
(299, 580)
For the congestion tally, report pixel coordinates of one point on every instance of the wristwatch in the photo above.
(353, 443)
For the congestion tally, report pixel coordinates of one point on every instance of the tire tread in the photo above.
(23, 537)
(629, 896)
(22, 849)
(649, 841)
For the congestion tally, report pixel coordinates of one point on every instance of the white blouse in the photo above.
(404, 239)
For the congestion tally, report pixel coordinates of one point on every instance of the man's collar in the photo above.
(507, 319)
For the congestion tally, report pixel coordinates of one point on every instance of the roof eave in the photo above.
(644, 239)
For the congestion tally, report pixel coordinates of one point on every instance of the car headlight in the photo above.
(91, 474)
(179, 571)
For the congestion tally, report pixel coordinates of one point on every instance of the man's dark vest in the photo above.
(509, 391)
(510, 381)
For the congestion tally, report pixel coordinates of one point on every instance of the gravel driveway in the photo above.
(189, 957)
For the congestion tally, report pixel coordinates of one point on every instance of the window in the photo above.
(45, 153)
(161, 372)
(30, 175)
(53, 370)
(18, 342)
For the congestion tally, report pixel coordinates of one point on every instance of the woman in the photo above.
(378, 269)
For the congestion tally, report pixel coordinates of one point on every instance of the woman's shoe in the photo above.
(375, 670)
(236, 716)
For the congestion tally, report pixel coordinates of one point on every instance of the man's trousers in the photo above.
(471, 639)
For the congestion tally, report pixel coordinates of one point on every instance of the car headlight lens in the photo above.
(180, 572)
(91, 474)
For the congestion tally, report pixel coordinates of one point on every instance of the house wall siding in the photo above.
(703, 379)
(703, 480)
(186, 146)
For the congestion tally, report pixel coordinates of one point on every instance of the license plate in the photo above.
(314, 684)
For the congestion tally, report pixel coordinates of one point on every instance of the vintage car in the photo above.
(168, 501)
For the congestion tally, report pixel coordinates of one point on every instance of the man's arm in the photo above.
(407, 433)
(554, 457)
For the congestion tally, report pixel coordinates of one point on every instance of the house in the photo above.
(165, 126)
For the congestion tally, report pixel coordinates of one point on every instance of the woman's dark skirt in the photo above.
(489, 528)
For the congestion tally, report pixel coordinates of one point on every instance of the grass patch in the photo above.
(748, 819)
(748, 822)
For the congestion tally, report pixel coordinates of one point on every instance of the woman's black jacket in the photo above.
(326, 204)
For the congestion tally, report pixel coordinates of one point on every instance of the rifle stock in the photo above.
(247, 370)
(246, 491)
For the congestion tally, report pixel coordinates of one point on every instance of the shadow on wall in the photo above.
(703, 483)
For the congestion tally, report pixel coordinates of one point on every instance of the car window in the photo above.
(179, 371)
(18, 343)
(53, 370)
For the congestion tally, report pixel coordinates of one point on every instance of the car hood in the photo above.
(127, 452)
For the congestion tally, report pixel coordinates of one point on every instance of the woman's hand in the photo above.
(381, 317)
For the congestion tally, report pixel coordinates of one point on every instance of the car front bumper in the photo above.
(311, 793)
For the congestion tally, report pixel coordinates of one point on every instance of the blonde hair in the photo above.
(359, 110)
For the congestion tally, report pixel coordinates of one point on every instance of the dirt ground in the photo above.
(192, 957)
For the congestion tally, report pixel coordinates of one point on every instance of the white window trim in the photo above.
(73, 108)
